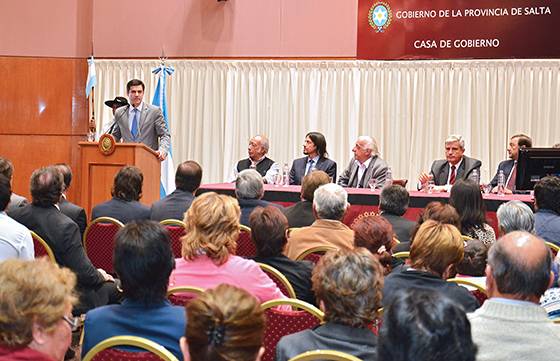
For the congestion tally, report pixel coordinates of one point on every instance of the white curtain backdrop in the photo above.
(410, 107)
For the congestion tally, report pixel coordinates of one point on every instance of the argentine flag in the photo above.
(167, 184)
(91, 77)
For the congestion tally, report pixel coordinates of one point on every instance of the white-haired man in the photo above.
(365, 166)
(257, 150)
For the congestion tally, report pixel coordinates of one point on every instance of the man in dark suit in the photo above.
(126, 192)
(174, 206)
(365, 166)
(76, 213)
(393, 203)
(95, 287)
(509, 166)
(315, 149)
(301, 213)
(249, 189)
(141, 122)
(257, 150)
(445, 172)
(7, 170)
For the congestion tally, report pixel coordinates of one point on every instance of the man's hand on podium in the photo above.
(161, 155)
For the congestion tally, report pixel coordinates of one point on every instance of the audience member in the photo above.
(257, 150)
(466, 198)
(473, 263)
(268, 231)
(509, 167)
(436, 249)
(348, 284)
(63, 237)
(547, 204)
(249, 189)
(225, 323)
(455, 166)
(209, 250)
(366, 168)
(7, 170)
(301, 213)
(420, 325)
(36, 300)
(511, 325)
(515, 216)
(393, 203)
(75, 212)
(375, 234)
(143, 261)
(316, 157)
(329, 206)
(126, 192)
(187, 180)
(15, 238)
(116, 103)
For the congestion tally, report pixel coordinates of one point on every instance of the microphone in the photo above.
(110, 131)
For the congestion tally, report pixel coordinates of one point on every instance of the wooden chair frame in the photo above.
(134, 341)
(43, 243)
(318, 249)
(269, 269)
(330, 355)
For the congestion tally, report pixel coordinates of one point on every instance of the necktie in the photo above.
(452, 177)
(134, 127)
(309, 166)
(511, 181)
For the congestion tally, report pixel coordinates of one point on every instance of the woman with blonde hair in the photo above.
(36, 299)
(225, 323)
(212, 225)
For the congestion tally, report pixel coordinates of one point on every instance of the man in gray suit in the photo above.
(365, 166)
(140, 122)
(456, 165)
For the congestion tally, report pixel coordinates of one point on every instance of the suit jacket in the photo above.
(440, 169)
(298, 169)
(173, 206)
(402, 227)
(16, 201)
(124, 211)
(323, 232)
(377, 170)
(506, 166)
(300, 214)
(76, 213)
(359, 342)
(248, 205)
(161, 323)
(152, 129)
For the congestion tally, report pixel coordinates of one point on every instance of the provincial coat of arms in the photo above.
(379, 16)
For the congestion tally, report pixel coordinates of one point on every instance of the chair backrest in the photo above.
(182, 295)
(280, 323)
(314, 254)
(375, 325)
(99, 241)
(41, 247)
(245, 245)
(104, 350)
(478, 291)
(281, 281)
(466, 238)
(401, 255)
(177, 230)
(329, 355)
(400, 182)
(553, 248)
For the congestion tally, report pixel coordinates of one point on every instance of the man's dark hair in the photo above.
(465, 196)
(46, 186)
(5, 192)
(143, 260)
(320, 142)
(268, 231)
(523, 140)
(6, 168)
(188, 176)
(394, 200)
(66, 172)
(547, 193)
(128, 184)
(474, 259)
(514, 276)
(422, 325)
(134, 82)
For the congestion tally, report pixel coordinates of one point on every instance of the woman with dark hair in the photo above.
(375, 234)
(412, 333)
(466, 198)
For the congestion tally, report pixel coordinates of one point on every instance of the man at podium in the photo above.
(140, 122)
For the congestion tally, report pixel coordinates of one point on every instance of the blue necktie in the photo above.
(134, 128)
(309, 166)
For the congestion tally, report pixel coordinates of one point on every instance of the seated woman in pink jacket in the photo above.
(209, 250)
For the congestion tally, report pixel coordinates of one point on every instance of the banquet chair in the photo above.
(281, 281)
(41, 247)
(478, 291)
(151, 351)
(314, 254)
(182, 295)
(177, 230)
(99, 241)
(553, 248)
(245, 246)
(328, 355)
(401, 255)
(400, 182)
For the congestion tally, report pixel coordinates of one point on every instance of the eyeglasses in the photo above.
(74, 322)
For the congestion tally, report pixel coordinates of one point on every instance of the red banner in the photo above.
(455, 29)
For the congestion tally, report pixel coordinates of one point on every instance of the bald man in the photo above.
(511, 325)
(257, 150)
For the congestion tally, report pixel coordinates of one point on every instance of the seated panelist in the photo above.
(316, 157)
(365, 166)
(509, 167)
(257, 150)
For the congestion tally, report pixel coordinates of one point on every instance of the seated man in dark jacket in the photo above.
(301, 213)
(249, 189)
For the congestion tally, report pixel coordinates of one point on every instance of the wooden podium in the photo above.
(98, 171)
